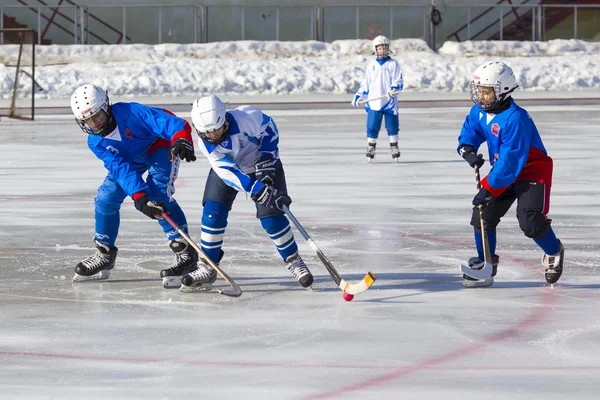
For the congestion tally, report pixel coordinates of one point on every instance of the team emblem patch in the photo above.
(128, 133)
(495, 129)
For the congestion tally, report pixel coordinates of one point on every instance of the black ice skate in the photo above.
(97, 266)
(371, 151)
(476, 263)
(299, 270)
(201, 279)
(395, 151)
(186, 259)
(554, 265)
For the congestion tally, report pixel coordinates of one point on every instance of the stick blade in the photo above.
(357, 288)
(482, 273)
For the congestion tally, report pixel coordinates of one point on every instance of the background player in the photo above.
(382, 77)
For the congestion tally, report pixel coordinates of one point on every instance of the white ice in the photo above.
(416, 334)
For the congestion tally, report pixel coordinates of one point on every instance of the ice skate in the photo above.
(300, 271)
(476, 263)
(200, 279)
(186, 259)
(554, 265)
(371, 151)
(97, 266)
(395, 151)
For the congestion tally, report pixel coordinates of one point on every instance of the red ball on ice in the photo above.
(348, 296)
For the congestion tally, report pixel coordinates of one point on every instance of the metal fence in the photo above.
(510, 19)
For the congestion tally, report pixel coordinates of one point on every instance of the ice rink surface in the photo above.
(416, 334)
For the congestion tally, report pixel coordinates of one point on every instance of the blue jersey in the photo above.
(516, 151)
(140, 130)
(252, 135)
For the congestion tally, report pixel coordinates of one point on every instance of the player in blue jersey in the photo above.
(132, 139)
(383, 81)
(242, 148)
(521, 169)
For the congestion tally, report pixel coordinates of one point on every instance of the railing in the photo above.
(155, 24)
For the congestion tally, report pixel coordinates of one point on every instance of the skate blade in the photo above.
(100, 276)
(171, 282)
(192, 289)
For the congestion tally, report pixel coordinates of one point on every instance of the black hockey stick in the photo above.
(488, 268)
(347, 287)
(235, 290)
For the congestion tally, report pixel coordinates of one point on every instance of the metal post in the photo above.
(533, 24)
(391, 22)
(39, 25)
(539, 25)
(277, 23)
(575, 22)
(124, 29)
(242, 24)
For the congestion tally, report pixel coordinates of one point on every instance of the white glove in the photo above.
(357, 98)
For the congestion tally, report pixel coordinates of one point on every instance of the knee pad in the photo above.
(214, 222)
(533, 223)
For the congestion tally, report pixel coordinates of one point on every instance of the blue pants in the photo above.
(161, 178)
(374, 123)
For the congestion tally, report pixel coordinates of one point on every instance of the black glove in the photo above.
(182, 148)
(150, 208)
(265, 170)
(272, 198)
(482, 197)
(468, 153)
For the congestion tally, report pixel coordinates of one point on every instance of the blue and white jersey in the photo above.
(140, 130)
(381, 76)
(252, 135)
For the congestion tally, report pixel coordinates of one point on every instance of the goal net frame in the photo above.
(14, 110)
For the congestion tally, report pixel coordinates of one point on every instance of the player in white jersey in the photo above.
(242, 148)
(383, 81)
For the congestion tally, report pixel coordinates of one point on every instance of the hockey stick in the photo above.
(376, 98)
(347, 287)
(488, 268)
(236, 291)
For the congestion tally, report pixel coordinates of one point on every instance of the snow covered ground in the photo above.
(255, 68)
(416, 334)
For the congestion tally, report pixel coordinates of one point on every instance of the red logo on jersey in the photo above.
(128, 133)
(495, 129)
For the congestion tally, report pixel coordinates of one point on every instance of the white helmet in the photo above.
(379, 40)
(497, 75)
(209, 119)
(86, 102)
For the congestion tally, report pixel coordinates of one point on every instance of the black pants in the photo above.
(533, 201)
(217, 190)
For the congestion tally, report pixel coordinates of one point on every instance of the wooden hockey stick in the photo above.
(360, 103)
(235, 291)
(347, 287)
(488, 268)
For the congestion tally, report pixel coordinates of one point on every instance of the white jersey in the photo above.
(381, 76)
(252, 135)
